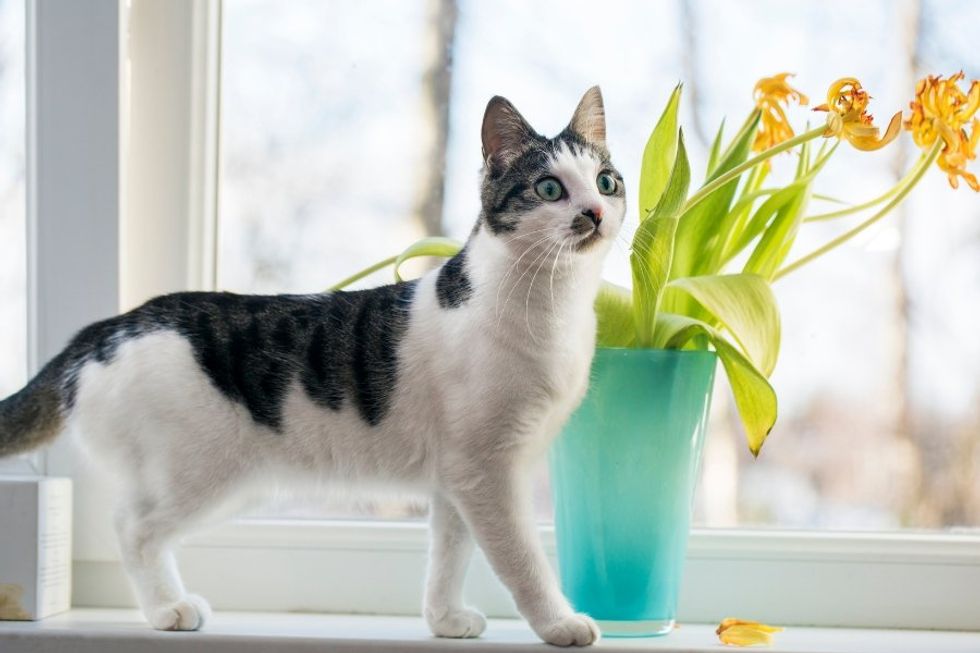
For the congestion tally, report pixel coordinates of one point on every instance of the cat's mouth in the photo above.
(587, 242)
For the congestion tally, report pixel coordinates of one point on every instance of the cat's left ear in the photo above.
(589, 120)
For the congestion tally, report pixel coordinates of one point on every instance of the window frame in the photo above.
(79, 186)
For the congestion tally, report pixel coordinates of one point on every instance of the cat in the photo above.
(450, 385)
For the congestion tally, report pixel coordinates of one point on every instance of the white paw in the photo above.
(573, 630)
(189, 613)
(455, 623)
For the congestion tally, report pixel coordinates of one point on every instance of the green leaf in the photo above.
(745, 305)
(783, 208)
(754, 397)
(653, 246)
(674, 195)
(650, 256)
(697, 231)
(658, 156)
(730, 226)
(433, 246)
(614, 315)
(775, 243)
(715, 152)
(762, 216)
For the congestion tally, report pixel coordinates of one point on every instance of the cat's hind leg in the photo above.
(450, 552)
(147, 532)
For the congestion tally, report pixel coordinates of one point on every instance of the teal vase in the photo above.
(623, 474)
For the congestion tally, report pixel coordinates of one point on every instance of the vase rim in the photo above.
(656, 352)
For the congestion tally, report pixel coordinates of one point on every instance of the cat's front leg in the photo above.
(450, 553)
(496, 506)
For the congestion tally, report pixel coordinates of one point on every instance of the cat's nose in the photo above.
(593, 214)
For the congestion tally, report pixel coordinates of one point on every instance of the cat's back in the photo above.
(339, 347)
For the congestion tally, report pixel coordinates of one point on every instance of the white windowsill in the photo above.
(111, 631)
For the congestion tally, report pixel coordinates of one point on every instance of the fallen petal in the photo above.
(741, 632)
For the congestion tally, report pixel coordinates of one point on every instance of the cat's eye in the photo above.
(606, 183)
(549, 189)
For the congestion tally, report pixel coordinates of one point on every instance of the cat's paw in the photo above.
(572, 630)
(189, 613)
(455, 623)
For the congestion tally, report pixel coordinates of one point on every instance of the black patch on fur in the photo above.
(381, 321)
(453, 287)
(340, 347)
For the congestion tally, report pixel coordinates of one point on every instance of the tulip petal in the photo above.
(741, 632)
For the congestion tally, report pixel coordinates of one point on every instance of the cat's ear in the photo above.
(589, 120)
(505, 132)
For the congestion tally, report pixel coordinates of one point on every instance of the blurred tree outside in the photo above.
(351, 129)
(879, 378)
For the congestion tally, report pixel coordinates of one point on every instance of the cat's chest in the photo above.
(554, 370)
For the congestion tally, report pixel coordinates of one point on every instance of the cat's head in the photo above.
(542, 193)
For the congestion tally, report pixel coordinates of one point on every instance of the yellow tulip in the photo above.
(772, 95)
(740, 632)
(847, 116)
(942, 110)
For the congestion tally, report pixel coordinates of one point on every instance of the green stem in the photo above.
(380, 265)
(909, 182)
(735, 172)
(828, 198)
(857, 208)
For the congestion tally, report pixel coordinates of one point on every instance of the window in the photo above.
(277, 233)
(13, 242)
(13, 236)
(324, 136)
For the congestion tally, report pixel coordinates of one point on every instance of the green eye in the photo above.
(606, 183)
(549, 189)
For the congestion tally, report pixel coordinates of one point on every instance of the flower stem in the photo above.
(905, 187)
(734, 173)
(380, 265)
(857, 208)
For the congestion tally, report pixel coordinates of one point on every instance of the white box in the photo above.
(35, 547)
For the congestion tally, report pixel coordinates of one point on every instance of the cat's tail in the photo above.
(34, 415)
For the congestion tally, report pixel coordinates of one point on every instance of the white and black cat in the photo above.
(450, 386)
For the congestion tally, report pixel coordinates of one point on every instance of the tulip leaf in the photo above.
(614, 316)
(745, 305)
(730, 226)
(653, 245)
(754, 397)
(658, 156)
(433, 246)
(762, 216)
(715, 153)
(697, 230)
(775, 243)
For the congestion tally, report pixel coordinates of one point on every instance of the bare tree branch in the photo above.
(910, 23)
(690, 60)
(436, 87)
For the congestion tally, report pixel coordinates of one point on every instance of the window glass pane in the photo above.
(13, 249)
(328, 139)
(321, 114)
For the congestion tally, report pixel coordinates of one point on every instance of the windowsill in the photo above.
(108, 631)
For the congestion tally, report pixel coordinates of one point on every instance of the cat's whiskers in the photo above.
(645, 274)
(510, 270)
(554, 266)
(528, 234)
(513, 287)
(530, 286)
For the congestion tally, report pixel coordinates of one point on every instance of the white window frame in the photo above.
(115, 162)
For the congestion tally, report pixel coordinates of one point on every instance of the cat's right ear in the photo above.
(505, 133)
